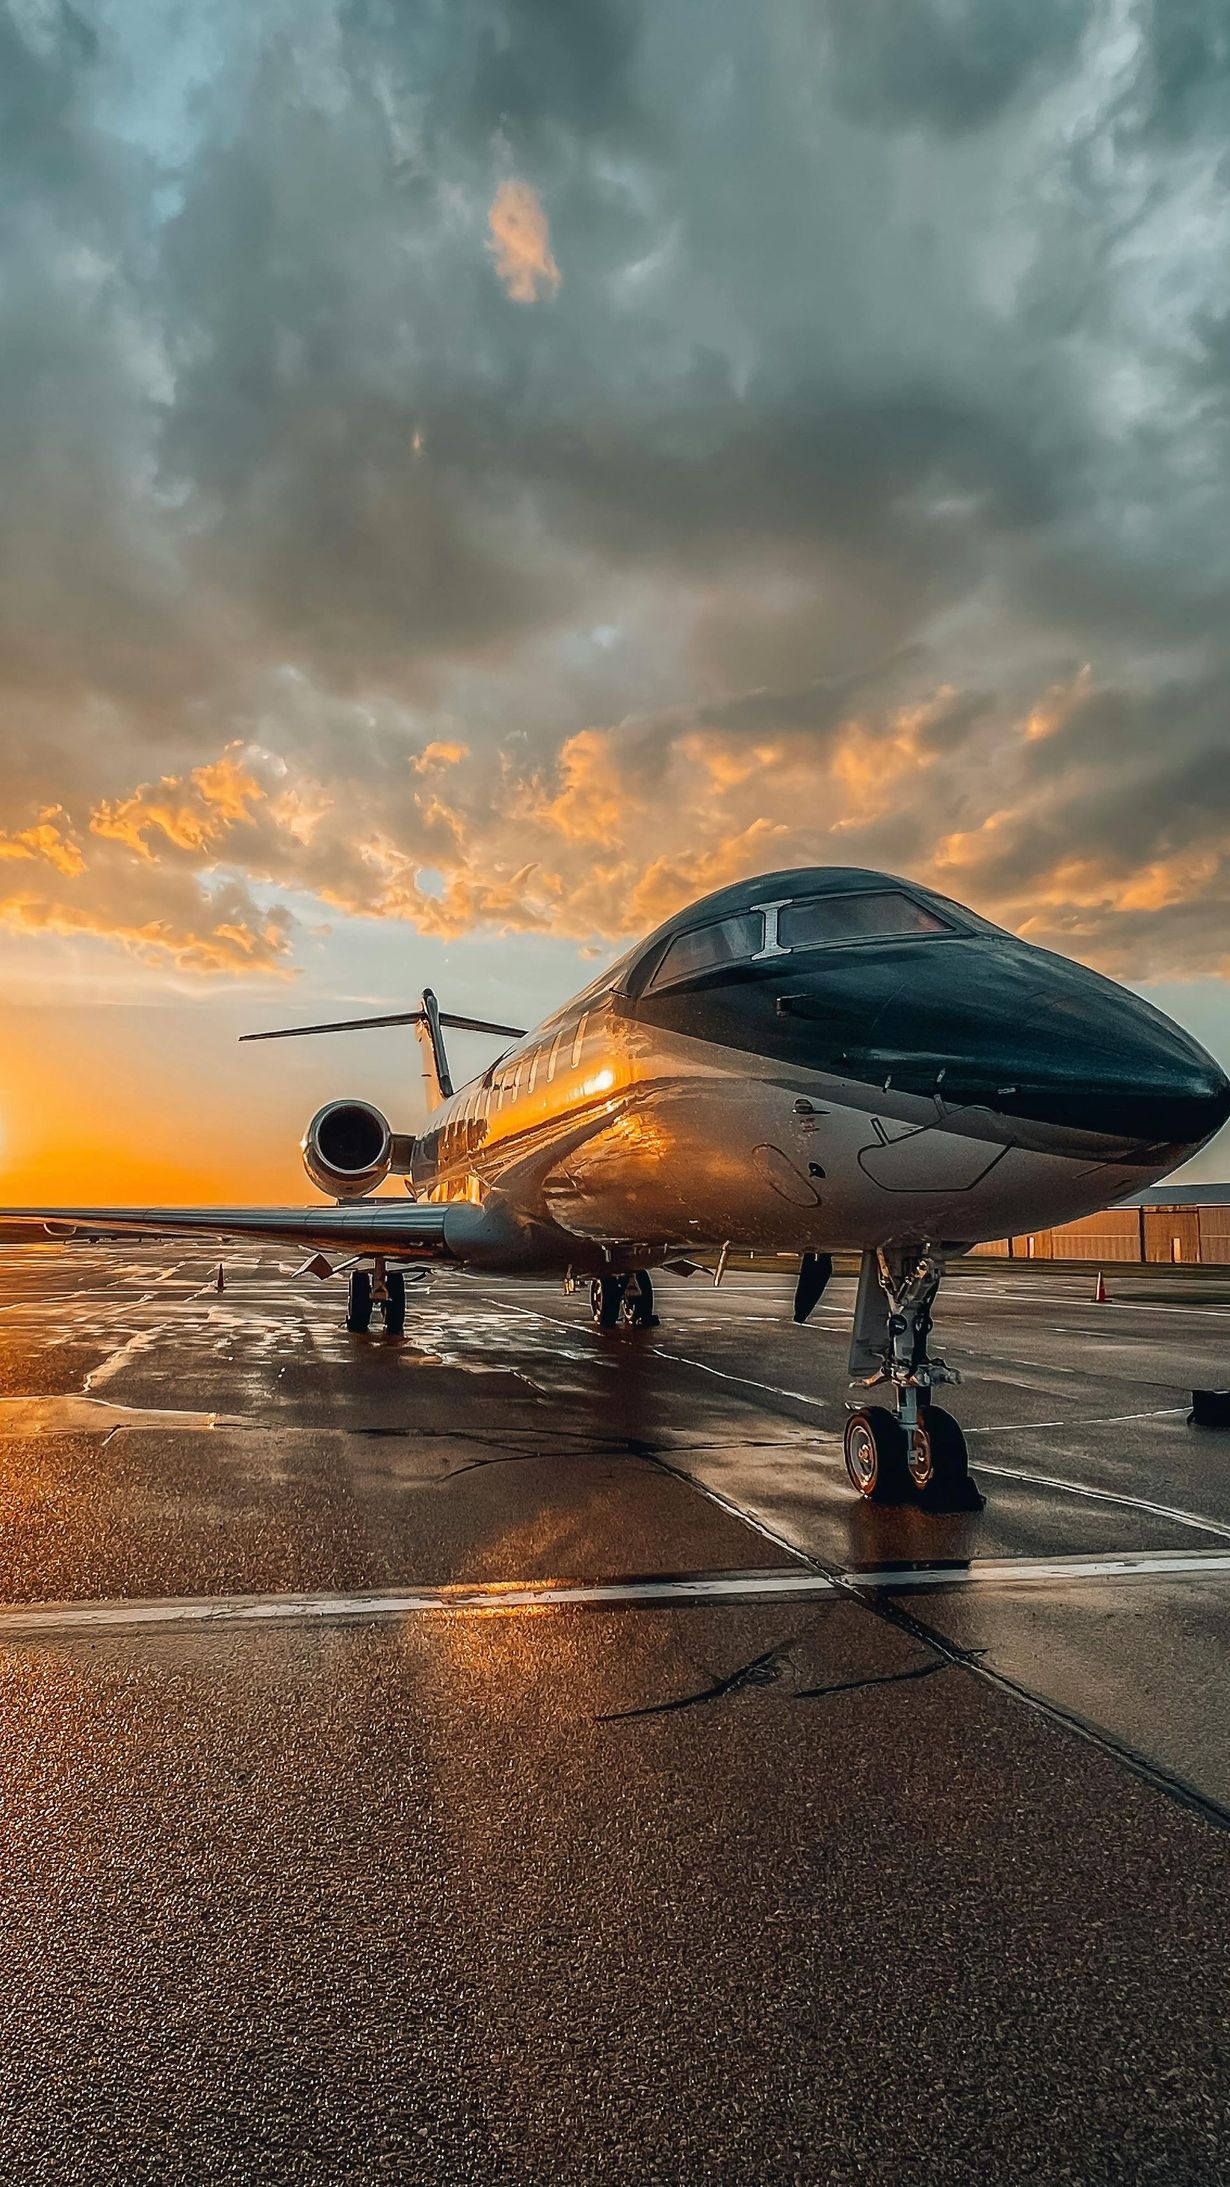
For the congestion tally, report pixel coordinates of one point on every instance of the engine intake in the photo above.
(348, 1149)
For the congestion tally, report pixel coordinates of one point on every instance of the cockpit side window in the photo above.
(707, 948)
(872, 915)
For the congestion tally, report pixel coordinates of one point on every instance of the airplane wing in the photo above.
(406, 1229)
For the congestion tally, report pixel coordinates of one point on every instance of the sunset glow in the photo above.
(551, 509)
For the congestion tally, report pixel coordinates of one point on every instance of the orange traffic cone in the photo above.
(1099, 1290)
(220, 1279)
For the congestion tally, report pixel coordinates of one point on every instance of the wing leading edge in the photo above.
(409, 1230)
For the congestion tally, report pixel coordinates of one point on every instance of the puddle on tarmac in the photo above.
(93, 1416)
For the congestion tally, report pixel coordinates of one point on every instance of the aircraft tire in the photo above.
(395, 1306)
(875, 1453)
(606, 1296)
(638, 1311)
(937, 1459)
(359, 1303)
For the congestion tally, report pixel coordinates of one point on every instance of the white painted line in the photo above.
(1178, 1517)
(1082, 1420)
(228, 1610)
(822, 1404)
(1043, 1571)
(556, 1321)
(1072, 1298)
(19, 1620)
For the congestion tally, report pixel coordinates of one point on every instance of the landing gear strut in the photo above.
(626, 1299)
(917, 1445)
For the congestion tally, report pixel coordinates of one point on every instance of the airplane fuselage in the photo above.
(932, 1079)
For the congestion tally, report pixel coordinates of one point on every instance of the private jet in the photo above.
(820, 1060)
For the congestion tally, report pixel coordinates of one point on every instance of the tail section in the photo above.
(437, 1078)
(427, 1022)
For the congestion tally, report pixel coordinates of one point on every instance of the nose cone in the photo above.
(1129, 1076)
(1068, 1060)
(1000, 1039)
(1092, 1061)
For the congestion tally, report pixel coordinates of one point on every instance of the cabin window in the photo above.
(516, 1082)
(875, 914)
(578, 1038)
(533, 1071)
(553, 1058)
(708, 948)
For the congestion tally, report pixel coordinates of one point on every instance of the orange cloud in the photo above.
(439, 754)
(520, 243)
(46, 839)
(870, 758)
(191, 814)
(596, 799)
(228, 946)
(969, 846)
(624, 825)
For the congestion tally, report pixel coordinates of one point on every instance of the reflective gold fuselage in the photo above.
(608, 1142)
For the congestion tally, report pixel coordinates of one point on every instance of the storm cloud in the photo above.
(517, 465)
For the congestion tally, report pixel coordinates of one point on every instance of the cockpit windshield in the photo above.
(774, 930)
(872, 913)
(706, 948)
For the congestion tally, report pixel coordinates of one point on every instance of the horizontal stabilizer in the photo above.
(480, 1025)
(395, 1017)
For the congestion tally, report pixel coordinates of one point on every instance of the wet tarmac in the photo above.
(512, 1754)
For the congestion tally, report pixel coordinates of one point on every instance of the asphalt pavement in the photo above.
(512, 1754)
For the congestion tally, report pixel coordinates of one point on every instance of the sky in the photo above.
(477, 474)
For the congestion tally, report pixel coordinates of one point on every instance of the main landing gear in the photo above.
(626, 1299)
(916, 1447)
(363, 1294)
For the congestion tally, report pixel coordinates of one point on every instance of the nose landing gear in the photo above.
(917, 1446)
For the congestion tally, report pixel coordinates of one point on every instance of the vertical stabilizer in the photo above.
(437, 1079)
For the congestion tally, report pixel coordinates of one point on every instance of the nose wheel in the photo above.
(875, 1454)
(937, 1459)
(916, 1448)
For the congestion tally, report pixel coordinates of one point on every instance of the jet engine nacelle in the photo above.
(348, 1149)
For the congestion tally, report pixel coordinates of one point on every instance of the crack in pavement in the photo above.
(763, 1670)
(767, 1670)
(881, 1678)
